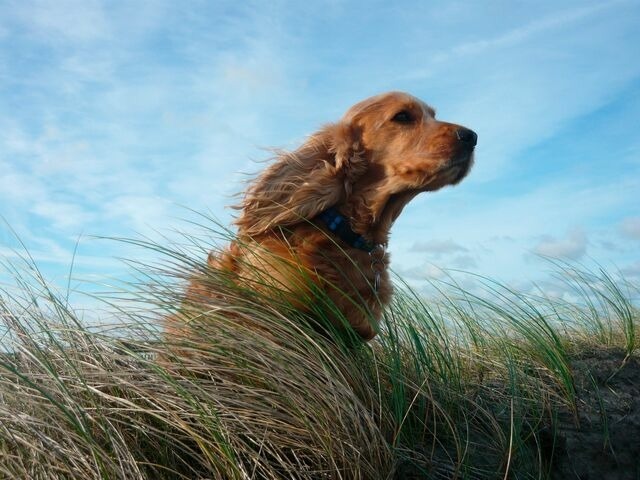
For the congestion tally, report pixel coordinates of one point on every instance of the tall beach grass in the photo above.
(463, 384)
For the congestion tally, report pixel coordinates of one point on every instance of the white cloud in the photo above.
(63, 215)
(141, 213)
(534, 28)
(438, 247)
(427, 271)
(19, 187)
(71, 20)
(482, 217)
(573, 246)
(630, 227)
(499, 230)
(632, 270)
(45, 251)
(464, 262)
(610, 246)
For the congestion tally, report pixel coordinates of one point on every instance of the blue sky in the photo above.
(115, 116)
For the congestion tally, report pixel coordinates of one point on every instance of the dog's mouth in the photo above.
(451, 173)
(462, 167)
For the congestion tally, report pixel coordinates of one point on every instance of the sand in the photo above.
(605, 442)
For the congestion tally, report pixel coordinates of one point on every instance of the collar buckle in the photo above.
(377, 263)
(339, 224)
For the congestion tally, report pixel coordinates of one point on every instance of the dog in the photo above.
(318, 219)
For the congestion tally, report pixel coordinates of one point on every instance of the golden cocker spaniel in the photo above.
(319, 217)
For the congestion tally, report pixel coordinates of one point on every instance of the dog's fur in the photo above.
(369, 165)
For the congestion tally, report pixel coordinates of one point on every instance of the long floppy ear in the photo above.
(303, 183)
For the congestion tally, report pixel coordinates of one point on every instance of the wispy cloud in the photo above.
(63, 215)
(438, 247)
(425, 272)
(630, 227)
(573, 246)
(534, 28)
(464, 262)
(143, 213)
(632, 271)
(64, 20)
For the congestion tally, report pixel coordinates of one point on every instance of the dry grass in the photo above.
(461, 386)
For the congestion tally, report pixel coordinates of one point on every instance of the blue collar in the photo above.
(339, 225)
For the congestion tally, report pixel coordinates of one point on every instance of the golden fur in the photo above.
(369, 165)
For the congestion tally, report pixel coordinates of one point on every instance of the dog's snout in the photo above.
(467, 137)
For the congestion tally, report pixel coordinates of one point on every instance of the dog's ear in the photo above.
(303, 183)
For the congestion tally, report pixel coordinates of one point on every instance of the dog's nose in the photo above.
(466, 136)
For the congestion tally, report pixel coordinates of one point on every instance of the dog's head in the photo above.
(384, 151)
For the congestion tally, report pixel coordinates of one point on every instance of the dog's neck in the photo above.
(373, 219)
(340, 226)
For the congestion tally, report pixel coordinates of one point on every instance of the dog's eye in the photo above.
(403, 116)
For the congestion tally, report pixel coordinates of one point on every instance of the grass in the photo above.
(463, 385)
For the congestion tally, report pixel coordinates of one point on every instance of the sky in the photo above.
(123, 119)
